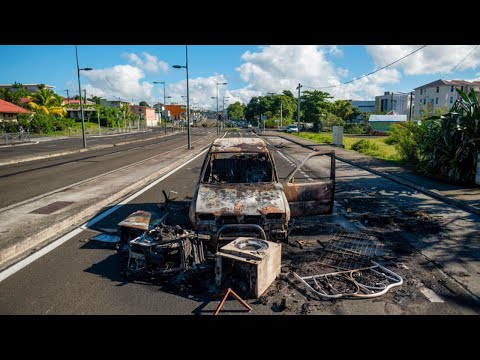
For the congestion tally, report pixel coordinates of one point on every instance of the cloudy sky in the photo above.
(128, 72)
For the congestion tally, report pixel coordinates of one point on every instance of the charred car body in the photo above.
(239, 184)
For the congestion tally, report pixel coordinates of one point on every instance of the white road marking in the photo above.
(430, 294)
(29, 259)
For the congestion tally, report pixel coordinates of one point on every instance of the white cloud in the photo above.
(150, 63)
(121, 80)
(334, 50)
(201, 89)
(434, 59)
(281, 67)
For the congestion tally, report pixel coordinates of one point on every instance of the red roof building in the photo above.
(9, 111)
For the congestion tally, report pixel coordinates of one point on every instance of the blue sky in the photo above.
(128, 71)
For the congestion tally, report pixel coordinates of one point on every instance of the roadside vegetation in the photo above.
(444, 145)
(49, 117)
(377, 147)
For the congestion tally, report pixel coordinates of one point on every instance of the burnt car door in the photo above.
(309, 195)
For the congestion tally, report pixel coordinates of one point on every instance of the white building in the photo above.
(114, 103)
(441, 94)
(391, 101)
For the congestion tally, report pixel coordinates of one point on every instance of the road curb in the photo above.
(458, 203)
(46, 236)
(70, 152)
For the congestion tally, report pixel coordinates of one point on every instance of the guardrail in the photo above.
(10, 138)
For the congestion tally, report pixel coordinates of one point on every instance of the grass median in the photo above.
(375, 146)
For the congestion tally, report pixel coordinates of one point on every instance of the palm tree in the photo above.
(47, 102)
(452, 142)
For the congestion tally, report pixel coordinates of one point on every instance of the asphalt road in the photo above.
(30, 179)
(83, 277)
(45, 146)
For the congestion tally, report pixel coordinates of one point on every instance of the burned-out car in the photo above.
(239, 184)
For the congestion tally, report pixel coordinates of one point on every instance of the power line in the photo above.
(470, 53)
(373, 72)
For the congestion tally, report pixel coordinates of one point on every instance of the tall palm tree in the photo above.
(48, 102)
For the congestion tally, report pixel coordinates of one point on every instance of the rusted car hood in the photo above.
(240, 199)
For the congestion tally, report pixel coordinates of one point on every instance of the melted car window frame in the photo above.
(244, 168)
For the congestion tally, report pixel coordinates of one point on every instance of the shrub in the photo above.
(407, 138)
(354, 129)
(365, 146)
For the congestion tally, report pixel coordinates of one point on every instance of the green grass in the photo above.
(374, 146)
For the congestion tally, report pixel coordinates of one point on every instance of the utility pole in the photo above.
(98, 118)
(68, 97)
(281, 115)
(411, 103)
(85, 96)
(298, 107)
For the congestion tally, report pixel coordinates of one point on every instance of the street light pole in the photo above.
(224, 83)
(164, 101)
(81, 106)
(188, 97)
(298, 108)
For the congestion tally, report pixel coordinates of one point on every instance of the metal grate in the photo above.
(350, 251)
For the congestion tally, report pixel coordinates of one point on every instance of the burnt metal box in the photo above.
(257, 263)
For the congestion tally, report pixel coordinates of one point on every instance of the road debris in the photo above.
(350, 251)
(230, 291)
(164, 250)
(251, 264)
(361, 276)
(370, 282)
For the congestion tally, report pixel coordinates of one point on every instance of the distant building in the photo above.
(177, 111)
(33, 88)
(146, 113)
(363, 106)
(76, 102)
(9, 111)
(441, 94)
(114, 103)
(383, 123)
(391, 101)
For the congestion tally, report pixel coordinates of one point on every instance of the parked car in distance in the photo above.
(292, 128)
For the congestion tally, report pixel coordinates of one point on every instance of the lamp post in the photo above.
(164, 101)
(188, 97)
(223, 110)
(80, 94)
(221, 83)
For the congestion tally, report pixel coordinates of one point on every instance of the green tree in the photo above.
(143, 103)
(315, 105)
(345, 110)
(236, 110)
(15, 94)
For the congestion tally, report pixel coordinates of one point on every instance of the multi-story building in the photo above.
(363, 106)
(441, 94)
(398, 102)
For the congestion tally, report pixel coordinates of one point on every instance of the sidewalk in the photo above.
(465, 197)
